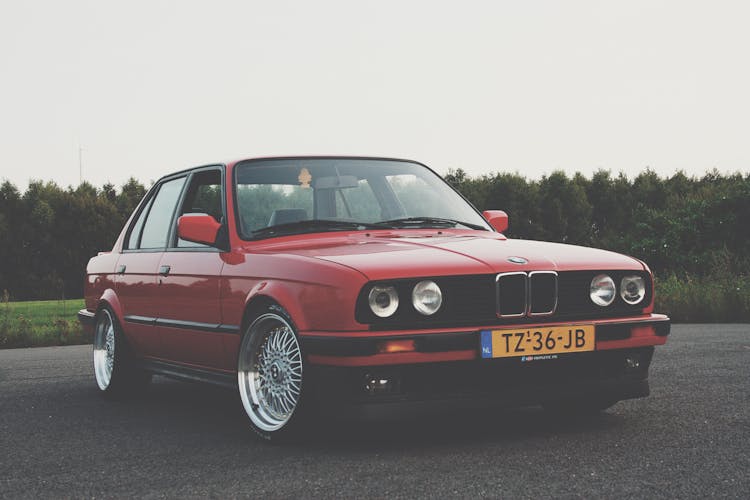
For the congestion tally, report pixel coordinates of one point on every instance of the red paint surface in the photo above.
(190, 292)
(497, 219)
(137, 293)
(640, 336)
(198, 228)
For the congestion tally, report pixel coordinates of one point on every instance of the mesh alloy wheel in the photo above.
(104, 349)
(270, 373)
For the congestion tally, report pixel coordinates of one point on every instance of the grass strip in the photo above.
(41, 323)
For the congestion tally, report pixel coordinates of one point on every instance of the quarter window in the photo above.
(135, 231)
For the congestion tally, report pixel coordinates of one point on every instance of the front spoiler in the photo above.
(417, 389)
(398, 410)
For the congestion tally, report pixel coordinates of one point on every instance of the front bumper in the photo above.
(350, 375)
(87, 319)
(434, 346)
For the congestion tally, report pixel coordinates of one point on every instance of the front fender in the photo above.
(310, 305)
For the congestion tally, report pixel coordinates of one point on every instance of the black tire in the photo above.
(116, 369)
(270, 376)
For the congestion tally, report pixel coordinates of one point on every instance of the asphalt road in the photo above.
(690, 438)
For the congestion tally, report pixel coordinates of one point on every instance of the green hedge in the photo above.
(711, 299)
(692, 232)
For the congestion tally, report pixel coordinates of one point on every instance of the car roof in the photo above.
(234, 162)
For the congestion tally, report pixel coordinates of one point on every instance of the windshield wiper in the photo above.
(428, 221)
(311, 226)
(323, 225)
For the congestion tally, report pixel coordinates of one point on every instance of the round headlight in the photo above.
(632, 289)
(602, 290)
(427, 297)
(383, 301)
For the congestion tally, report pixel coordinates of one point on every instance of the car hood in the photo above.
(405, 254)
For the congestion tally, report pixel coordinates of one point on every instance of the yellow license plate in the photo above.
(538, 341)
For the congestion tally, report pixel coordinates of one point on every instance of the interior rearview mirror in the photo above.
(336, 182)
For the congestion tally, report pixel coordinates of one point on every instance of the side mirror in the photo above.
(497, 219)
(198, 228)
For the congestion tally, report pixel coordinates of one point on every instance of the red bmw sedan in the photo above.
(339, 285)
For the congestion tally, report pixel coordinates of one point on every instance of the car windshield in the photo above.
(300, 195)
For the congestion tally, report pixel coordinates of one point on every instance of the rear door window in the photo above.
(159, 218)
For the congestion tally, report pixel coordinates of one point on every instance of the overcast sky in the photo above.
(149, 87)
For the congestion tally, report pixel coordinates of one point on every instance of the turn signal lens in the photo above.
(391, 346)
(632, 289)
(602, 290)
(383, 301)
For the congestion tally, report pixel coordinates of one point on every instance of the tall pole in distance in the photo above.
(80, 165)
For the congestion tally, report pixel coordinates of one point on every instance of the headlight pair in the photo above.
(603, 290)
(426, 297)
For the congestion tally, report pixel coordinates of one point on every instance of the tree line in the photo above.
(48, 234)
(679, 225)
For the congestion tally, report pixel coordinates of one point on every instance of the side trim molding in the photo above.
(140, 320)
(184, 325)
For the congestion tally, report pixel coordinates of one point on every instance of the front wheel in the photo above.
(269, 374)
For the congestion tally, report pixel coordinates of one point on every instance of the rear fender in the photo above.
(109, 298)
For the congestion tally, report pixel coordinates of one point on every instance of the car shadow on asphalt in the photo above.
(193, 408)
(446, 427)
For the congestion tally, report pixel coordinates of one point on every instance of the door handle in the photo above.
(164, 270)
(121, 269)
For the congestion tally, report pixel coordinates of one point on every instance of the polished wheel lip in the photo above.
(104, 349)
(269, 372)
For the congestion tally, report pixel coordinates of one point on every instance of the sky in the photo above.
(145, 88)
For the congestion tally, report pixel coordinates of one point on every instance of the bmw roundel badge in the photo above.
(517, 260)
